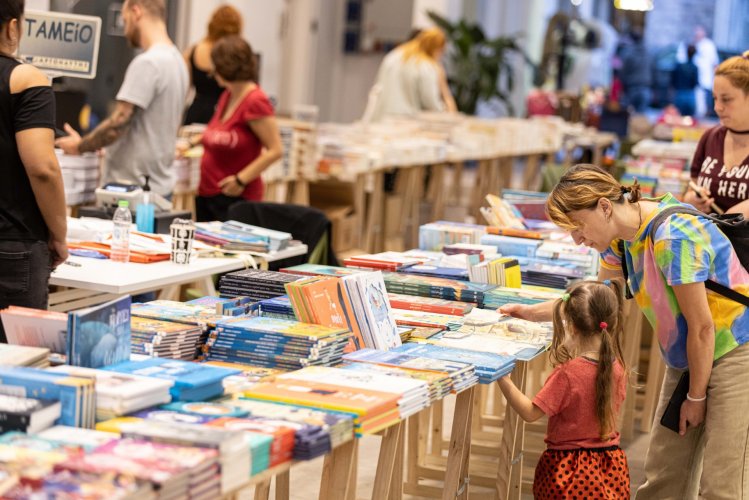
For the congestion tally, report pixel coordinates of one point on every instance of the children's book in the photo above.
(100, 335)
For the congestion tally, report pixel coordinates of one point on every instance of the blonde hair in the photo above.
(580, 188)
(736, 70)
(425, 45)
(225, 21)
(593, 308)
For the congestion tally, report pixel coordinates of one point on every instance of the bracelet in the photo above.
(239, 181)
(696, 400)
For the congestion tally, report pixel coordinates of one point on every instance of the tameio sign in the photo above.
(60, 44)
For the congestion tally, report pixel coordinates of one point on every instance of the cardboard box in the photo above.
(336, 199)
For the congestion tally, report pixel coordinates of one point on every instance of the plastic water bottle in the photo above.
(121, 233)
(144, 211)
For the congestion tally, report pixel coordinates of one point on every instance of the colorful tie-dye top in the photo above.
(686, 249)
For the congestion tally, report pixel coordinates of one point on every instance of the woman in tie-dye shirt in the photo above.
(697, 330)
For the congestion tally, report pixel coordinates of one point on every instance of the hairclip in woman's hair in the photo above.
(607, 282)
(565, 297)
(625, 189)
(603, 325)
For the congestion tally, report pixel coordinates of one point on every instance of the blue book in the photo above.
(511, 246)
(99, 336)
(190, 379)
(483, 361)
(453, 273)
(207, 409)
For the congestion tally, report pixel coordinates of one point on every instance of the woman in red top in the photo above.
(242, 138)
(582, 398)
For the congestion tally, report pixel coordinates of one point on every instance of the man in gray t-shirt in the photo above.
(141, 132)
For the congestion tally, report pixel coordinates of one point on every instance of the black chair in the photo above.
(306, 224)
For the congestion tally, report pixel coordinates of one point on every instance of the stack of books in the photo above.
(336, 427)
(192, 381)
(277, 307)
(439, 383)
(429, 304)
(435, 235)
(550, 273)
(489, 366)
(233, 454)
(512, 246)
(27, 414)
(76, 394)
(282, 446)
(20, 355)
(384, 261)
(428, 319)
(373, 410)
(502, 271)
(164, 339)
(86, 439)
(277, 240)
(584, 257)
(461, 375)
(118, 394)
(322, 300)
(451, 273)
(320, 270)
(175, 471)
(216, 234)
(178, 312)
(366, 297)
(413, 394)
(255, 283)
(441, 288)
(275, 343)
(249, 375)
(499, 296)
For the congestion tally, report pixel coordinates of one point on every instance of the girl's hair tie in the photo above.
(565, 297)
(607, 282)
(603, 325)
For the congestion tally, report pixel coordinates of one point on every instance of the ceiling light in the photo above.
(634, 4)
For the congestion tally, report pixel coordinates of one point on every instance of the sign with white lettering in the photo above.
(60, 44)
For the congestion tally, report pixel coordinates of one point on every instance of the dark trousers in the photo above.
(210, 208)
(25, 267)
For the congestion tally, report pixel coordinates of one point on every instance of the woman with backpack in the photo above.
(698, 330)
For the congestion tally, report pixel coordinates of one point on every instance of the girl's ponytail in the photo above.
(605, 384)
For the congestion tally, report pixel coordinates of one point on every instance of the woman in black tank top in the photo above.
(33, 222)
(225, 20)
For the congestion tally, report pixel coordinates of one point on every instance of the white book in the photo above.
(35, 327)
(377, 309)
(19, 355)
(116, 385)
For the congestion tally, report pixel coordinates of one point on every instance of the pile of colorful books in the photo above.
(500, 296)
(164, 339)
(459, 374)
(255, 283)
(489, 366)
(428, 319)
(277, 307)
(192, 381)
(275, 343)
(462, 291)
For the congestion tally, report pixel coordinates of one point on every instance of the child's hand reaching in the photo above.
(522, 311)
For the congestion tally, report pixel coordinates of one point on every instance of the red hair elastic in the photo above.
(603, 325)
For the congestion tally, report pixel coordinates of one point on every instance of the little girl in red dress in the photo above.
(582, 398)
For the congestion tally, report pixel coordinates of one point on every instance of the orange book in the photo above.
(519, 233)
(363, 402)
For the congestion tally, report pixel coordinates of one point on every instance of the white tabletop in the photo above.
(103, 275)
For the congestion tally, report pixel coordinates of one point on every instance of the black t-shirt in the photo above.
(728, 184)
(20, 218)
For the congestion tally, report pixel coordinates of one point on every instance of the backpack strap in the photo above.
(709, 284)
(625, 271)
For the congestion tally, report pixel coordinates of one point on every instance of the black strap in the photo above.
(709, 284)
(625, 272)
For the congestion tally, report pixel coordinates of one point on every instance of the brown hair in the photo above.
(225, 21)
(11, 9)
(593, 308)
(425, 45)
(156, 8)
(580, 188)
(736, 70)
(234, 60)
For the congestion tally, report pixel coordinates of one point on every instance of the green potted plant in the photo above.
(479, 68)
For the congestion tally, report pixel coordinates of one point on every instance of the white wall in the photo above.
(262, 28)
(37, 5)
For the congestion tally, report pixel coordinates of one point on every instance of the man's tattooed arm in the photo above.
(111, 129)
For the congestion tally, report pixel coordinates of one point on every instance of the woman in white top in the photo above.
(411, 78)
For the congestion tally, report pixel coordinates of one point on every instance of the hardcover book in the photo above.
(100, 335)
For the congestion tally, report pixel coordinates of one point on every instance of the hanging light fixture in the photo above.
(634, 4)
